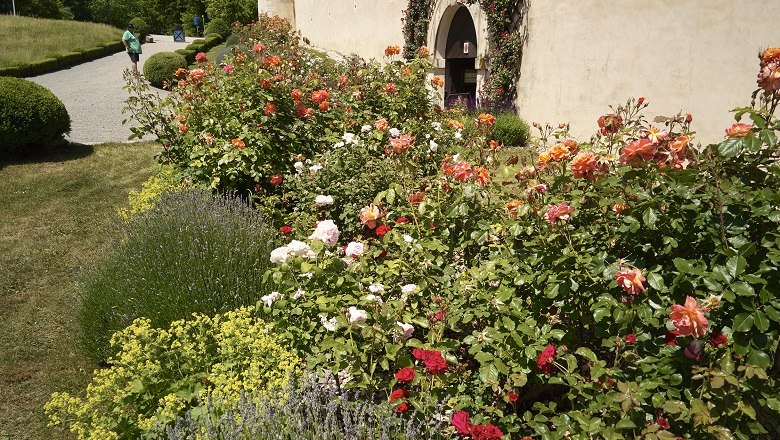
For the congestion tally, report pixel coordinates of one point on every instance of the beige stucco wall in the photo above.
(362, 27)
(698, 56)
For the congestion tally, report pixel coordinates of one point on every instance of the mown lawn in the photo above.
(26, 40)
(55, 212)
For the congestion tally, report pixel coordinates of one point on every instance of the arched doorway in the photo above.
(460, 54)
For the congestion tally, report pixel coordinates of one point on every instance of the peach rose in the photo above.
(689, 319)
(481, 176)
(513, 206)
(638, 151)
(630, 280)
(381, 124)
(585, 166)
(559, 152)
(738, 130)
(369, 215)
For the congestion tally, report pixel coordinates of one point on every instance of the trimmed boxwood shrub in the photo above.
(188, 54)
(510, 130)
(191, 252)
(162, 66)
(141, 28)
(30, 114)
(218, 26)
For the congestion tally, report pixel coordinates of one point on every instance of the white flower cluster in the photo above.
(327, 232)
(330, 324)
(355, 249)
(323, 200)
(270, 298)
(357, 315)
(408, 329)
(294, 249)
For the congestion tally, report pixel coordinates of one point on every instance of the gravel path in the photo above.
(92, 92)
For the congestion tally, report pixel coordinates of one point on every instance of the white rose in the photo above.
(436, 126)
(299, 294)
(366, 128)
(327, 232)
(349, 138)
(376, 288)
(355, 249)
(433, 146)
(330, 324)
(338, 145)
(279, 255)
(408, 329)
(270, 298)
(458, 135)
(300, 249)
(357, 315)
(394, 132)
(408, 238)
(409, 288)
(322, 200)
(374, 298)
(314, 168)
(298, 165)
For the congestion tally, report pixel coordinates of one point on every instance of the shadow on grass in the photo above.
(60, 153)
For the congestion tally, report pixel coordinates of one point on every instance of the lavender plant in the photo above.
(307, 409)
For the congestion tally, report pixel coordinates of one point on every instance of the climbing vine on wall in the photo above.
(417, 18)
(503, 17)
(506, 47)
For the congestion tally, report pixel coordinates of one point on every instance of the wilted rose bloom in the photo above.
(694, 350)
(276, 179)
(558, 212)
(381, 124)
(271, 298)
(679, 145)
(355, 249)
(689, 319)
(201, 58)
(718, 338)
(327, 232)
(369, 215)
(609, 124)
(481, 176)
(322, 200)
(638, 151)
(630, 280)
(330, 324)
(769, 76)
(357, 315)
(513, 206)
(407, 329)
(738, 130)
(238, 143)
(546, 359)
(671, 338)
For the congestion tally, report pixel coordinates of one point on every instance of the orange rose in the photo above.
(738, 130)
(238, 143)
(462, 171)
(324, 106)
(183, 128)
(401, 143)
(585, 166)
(638, 151)
(545, 157)
(486, 119)
(679, 146)
(437, 82)
(609, 124)
(423, 52)
(481, 176)
(276, 179)
(296, 95)
(269, 109)
(513, 206)
(392, 50)
(559, 152)
(689, 319)
(630, 280)
(381, 124)
(455, 124)
(771, 54)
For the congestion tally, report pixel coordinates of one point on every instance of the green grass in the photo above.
(53, 224)
(26, 40)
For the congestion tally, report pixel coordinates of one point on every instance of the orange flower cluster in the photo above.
(392, 50)
(769, 72)
(664, 150)
(486, 119)
(513, 206)
(402, 143)
(272, 61)
(423, 52)
(269, 109)
(559, 152)
(462, 171)
(180, 72)
(455, 124)
(238, 143)
(436, 81)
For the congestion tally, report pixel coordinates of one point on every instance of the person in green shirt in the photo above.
(132, 45)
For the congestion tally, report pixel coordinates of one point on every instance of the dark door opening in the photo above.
(462, 77)
(460, 56)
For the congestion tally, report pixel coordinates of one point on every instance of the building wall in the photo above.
(696, 56)
(361, 27)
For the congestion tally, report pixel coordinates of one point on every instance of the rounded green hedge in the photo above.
(218, 26)
(162, 66)
(30, 114)
(141, 28)
(510, 130)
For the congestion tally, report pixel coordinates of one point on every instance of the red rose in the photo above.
(546, 359)
(435, 362)
(416, 197)
(662, 422)
(382, 230)
(460, 420)
(398, 393)
(286, 230)
(276, 179)
(418, 353)
(671, 338)
(324, 106)
(512, 397)
(486, 432)
(630, 338)
(296, 95)
(718, 338)
(402, 408)
(401, 220)
(405, 374)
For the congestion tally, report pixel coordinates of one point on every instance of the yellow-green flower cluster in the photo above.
(166, 179)
(158, 374)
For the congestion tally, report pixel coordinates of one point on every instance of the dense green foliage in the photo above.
(158, 374)
(191, 252)
(161, 67)
(141, 28)
(510, 130)
(30, 114)
(232, 11)
(218, 26)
